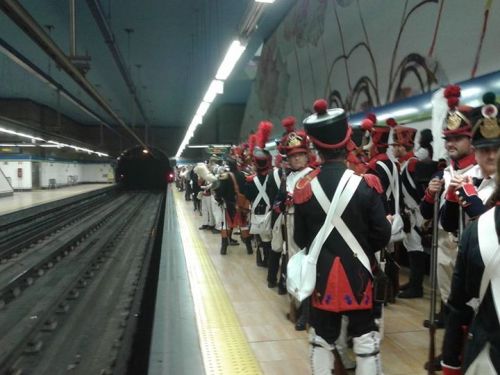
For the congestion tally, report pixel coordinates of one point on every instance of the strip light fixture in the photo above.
(233, 54)
(17, 145)
(49, 143)
(216, 87)
(207, 146)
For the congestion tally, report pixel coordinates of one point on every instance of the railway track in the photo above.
(67, 302)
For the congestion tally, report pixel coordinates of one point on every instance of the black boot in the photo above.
(266, 246)
(282, 283)
(272, 269)
(260, 255)
(417, 269)
(248, 244)
(223, 246)
(303, 320)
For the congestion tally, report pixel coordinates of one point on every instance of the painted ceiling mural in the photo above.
(361, 54)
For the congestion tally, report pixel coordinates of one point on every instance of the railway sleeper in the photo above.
(63, 308)
(50, 325)
(34, 346)
(73, 294)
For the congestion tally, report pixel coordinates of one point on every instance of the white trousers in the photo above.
(217, 212)
(412, 240)
(206, 210)
(447, 257)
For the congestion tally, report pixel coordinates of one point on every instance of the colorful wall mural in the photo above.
(360, 54)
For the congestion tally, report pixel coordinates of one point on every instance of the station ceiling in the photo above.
(148, 62)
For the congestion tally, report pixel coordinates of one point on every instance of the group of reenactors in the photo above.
(385, 201)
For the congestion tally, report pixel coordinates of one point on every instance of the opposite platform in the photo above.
(27, 199)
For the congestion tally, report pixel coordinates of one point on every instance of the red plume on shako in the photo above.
(288, 123)
(263, 133)
(293, 141)
(458, 120)
(261, 157)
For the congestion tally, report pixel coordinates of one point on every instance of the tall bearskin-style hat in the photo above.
(402, 135)
(486, 131)
(327, 128)
(458, 120)
(294, 141)
(261, 157)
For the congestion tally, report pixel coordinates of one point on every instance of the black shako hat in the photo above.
(486, 131)
(327, 128)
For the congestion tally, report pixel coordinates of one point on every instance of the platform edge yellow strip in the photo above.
(224, 347)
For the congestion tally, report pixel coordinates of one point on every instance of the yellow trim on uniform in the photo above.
(224, 347)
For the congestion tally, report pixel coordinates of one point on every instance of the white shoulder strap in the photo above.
(333, 219)
(408, 198)
(262, 193)
(393, 184)
(320, 195)
(276, 175)
(408, 175)
(490, 253)
(337, 221)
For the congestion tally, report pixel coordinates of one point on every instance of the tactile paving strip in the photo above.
(223, 344)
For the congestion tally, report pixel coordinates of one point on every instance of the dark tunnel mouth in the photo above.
(136, 169)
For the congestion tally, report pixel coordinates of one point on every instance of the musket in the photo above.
(431, 323)
(284, 254)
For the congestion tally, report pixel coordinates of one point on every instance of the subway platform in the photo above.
(21, 200)
(216, 315)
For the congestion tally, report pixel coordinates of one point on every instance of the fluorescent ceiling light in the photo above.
(216, 87)
(202, 109)
(232, 56)
(16, 145)
(51, 144)
(197, 120)
(8, 131)
(207, 146)
(265, 1)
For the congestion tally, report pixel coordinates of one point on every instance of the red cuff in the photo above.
(428, 197)
(450, 370)
(469, 190)
(451, 195)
